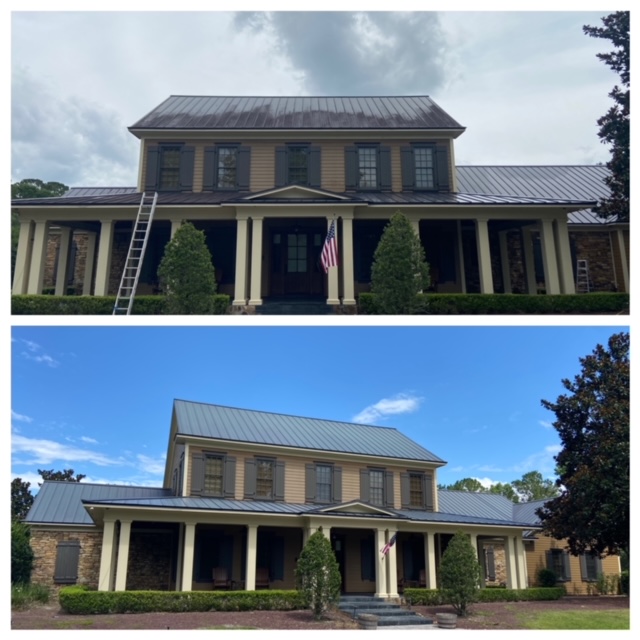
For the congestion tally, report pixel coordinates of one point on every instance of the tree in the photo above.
(21, 553)
(466, 484)
(399, 269)
(459, 573)
(187, 274)
(21, 499)
(614, 125)
(592, 420)
(318, 574)
(67, 475)
(532, 486)
(505, 489)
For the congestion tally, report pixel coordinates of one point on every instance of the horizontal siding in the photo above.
(262, 165)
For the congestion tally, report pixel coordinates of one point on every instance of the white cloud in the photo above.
(43, 359)
(545, 424)
(19, 417)
(542, 461)
(88, 440)
(151, 465)
(400, 403)
(30, 451)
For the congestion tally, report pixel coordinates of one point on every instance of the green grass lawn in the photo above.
(612, 619)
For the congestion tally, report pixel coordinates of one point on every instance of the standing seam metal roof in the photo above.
(244, 425)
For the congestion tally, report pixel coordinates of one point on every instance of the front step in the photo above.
(388, 613)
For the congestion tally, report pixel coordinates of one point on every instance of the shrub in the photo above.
(428, 597)
(624, 582)
(21, 553)
(23, 595)
(460, 573)
(434, 598)
(318, 574)
(186, 272)
(546, 578)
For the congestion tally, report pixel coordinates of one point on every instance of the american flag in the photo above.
(389, 544)
(329, 256)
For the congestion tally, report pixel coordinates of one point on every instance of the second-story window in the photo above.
(213, 475)
(376, 486)
(298, 163)
(367, 167)
(323, 482)
(227, 167)
(416, 490)
(169, 167)
(264, 478)
(425, 167)
(169, 170)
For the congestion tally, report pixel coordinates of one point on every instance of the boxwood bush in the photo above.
(82, 601)
(433, 597)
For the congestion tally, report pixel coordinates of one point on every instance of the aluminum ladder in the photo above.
(582, 277)
(135, 255)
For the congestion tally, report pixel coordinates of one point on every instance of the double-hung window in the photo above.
(213, 474)
(298, 163)
(226, 168)
(323, 483)
(169, 167)
(590, 567)
(425, 167)
(368, 167)
(264, 478)
(376, 486)
(424, 161)
(416, 490)
(558, 562)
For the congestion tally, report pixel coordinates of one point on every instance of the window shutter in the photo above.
(197, 474)
(407, 168)
(583, 566)
(230, 477)
(566, 566)
(598, 566)
(364, 485)
(249, 478)
(428, 492)
(404, 490)
(314, 167)
(367, 559)
(279, 480)
(210, 162)
(549, 559)
(187, 155)
(384, 158)
(310, 482)
(389, 498)
(243, 168)
(67, 555)
(442, 169)
(281, 166)
(491, 563)
(337, 484)
(151, 179)
(351, 168)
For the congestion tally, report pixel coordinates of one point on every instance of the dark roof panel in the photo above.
(301, 112)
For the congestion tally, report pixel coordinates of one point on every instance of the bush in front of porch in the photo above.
(460, 573)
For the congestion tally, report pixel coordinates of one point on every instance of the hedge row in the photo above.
(81, 601)
(97, 305)
(508, 304)
(434, 597)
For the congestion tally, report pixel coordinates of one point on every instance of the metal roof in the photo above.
(75, 192)
(474, 504)
(261, 427)
(526, 511)
(280, 112)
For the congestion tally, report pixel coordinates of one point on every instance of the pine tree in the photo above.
(459, 573)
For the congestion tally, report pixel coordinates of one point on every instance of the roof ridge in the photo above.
(99, 484)
(197, 95)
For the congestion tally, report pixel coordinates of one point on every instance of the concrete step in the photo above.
(394, 613)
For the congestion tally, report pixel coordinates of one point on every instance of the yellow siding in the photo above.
(262, 165)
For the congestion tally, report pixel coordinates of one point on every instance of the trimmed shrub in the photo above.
(546, 578)
(428, 597)
(433, 598)
(459, 573)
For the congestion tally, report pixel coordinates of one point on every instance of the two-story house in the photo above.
(264, 177)
(242, 492)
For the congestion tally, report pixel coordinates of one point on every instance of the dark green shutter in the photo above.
(314, 167)
(151, 178)
(279, 480)
(367, 559)
(210, 169)
(408, 169)
(281, 166)
(249, 478)
(197, 474)
(310, 482)
(428, 492)
(364, 485)
(442, 169)
(583, 567)
(384, 158)
(491, 563)
(243, 168)
(187, 156)
(337, 484)
(388, 489)
(405, 489)
(351, 168)
(67, 555)
(230, 477)
(566, 566)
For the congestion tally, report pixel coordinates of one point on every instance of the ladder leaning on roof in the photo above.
(135, 255)
(582, 277)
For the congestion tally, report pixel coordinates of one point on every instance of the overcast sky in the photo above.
(527, 85)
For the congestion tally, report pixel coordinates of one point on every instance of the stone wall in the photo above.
(500, 562)
(595, 247)
(150, 560)
(79, 239)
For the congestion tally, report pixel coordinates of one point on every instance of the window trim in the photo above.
(376, 147)
(566, 568)
(214, 455)
(434, 165)
(272, 462)
(162, 148)
(216, 168)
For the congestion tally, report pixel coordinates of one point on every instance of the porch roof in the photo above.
(262, 427)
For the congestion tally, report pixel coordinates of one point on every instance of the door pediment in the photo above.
(295, 192)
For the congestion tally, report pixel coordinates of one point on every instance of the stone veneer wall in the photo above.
(150, 557)
(44, 544)
(500, 562)
(53, 242)
(595, 247)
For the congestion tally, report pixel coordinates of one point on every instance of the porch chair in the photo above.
(221, 578)
(262, 578)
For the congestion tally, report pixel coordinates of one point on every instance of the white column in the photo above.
(123, 555)
(252, 554)
(62, 270)
(473, 539)
(175, 225)
(326, 531)
(392, 568)
(624, 262)
(415, 224)
(520, 562)
(430, 559)
(242, 253)
(332, 275)
(552, 282)
(563, 250)
(23, 258)
(256, 261)
(105, 578)
(88, 265)
(381, 565)
(529, 263)
(38, 257)
(463, 279)
(347, 260)
(105, 248)
(512, 572)
(504, 261)
(187, 556)
(484, 255)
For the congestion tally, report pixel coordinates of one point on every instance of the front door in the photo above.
(295, 261)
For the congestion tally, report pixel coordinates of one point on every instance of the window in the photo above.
(368, 167)
(67, 555)
(169, 167)
(298, 167)
(213, 474)
(376, 487)
(226, 167)
(425, 167)
(590, 567)
(416, 490)
(298, 163)
(264, 478)
(323, 483)
(558, 562)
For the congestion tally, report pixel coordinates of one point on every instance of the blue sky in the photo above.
(98, 399)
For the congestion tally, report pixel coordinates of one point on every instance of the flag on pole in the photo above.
(389, 544)
(329, 257)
